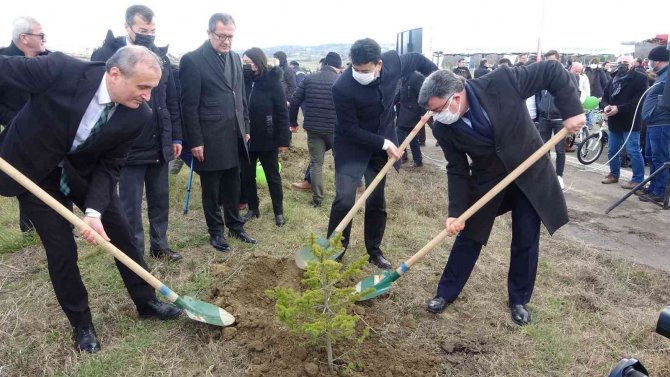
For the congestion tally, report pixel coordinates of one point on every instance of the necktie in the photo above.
(104, 117)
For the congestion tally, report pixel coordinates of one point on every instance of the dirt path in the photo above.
(635, 230)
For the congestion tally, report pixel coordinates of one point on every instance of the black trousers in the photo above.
(375, 205)
(221, 188)
(270, 163)
(524, 254)
(134, 179)
(61, 250)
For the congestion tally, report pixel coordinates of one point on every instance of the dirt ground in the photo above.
(635, 230)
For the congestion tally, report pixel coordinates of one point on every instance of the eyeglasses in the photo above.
(41, 35)
(223, 37)
(446, 105)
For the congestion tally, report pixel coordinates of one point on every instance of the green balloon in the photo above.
(260, 174)
(590, 103)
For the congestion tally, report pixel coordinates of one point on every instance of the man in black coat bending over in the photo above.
(72, 139)
(486, 120)
(216, 120)
(364, 96)
(158, 144)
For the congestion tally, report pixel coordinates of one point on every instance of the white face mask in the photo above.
(593, 66)
(447, 117)
(650, 66)
(363, 78)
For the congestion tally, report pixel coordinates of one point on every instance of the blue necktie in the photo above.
(104, 117)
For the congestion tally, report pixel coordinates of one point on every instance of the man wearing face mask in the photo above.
(160, 142)
(485, 132)
(619, 103)
(658, 124)
(364, 98)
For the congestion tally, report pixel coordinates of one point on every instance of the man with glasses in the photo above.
(485, 132)
(216, 121)
(159, 143)
(27, 40)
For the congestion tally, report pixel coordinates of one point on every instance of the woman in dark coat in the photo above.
(269, 130)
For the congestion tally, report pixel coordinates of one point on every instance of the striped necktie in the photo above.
(104, 117)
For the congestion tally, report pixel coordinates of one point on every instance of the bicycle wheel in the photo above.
(590, 149)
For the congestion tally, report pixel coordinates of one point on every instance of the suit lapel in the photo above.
(86, 88)
(214, 61)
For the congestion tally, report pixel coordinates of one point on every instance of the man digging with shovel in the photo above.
(486, 120)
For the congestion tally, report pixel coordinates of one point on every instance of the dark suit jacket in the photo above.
(268, 114)
(365, 112)
(502, 93)
(12, 101)
(214, 108)
(42, 133)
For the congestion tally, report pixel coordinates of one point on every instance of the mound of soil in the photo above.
(270, 350)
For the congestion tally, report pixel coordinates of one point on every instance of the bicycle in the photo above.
(592, 147)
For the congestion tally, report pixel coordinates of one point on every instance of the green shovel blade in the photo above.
(376, 285)
(304, 255)
(204, 312)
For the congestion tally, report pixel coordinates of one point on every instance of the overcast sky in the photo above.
(73, 25)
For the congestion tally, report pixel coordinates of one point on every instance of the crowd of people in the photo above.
(121, 120)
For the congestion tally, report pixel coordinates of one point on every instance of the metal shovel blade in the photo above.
(204, 312)
(377, 284)
(304, 255)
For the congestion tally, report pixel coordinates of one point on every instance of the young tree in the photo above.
(321, 312)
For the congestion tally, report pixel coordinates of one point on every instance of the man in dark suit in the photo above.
(158, 144)
(72, 139)
(28, 39)
(485, 120)
(216, 120)
(364, 97)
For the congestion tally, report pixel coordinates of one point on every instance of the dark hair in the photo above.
(281, 56)
(224, 18)
(365, 51)
(482, 63)
(461, 60)
(552, 52)
(505, 61)
(141, 10)
(522, 54)
(258, 57)
(639, 60)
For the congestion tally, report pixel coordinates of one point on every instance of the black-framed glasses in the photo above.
(41, 35)
(446, 105)
(223, 37)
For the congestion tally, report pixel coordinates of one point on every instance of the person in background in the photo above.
(462, 70)
(483, 68)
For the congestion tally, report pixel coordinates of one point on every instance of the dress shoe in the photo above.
(315, 203)
(642, 191)
(279, 220)
(158, 309)
(437, 305)
(168, 254)
(650, 198)
(380, 262)
(251, 214)
(242, 236)
(219, 243)
(609, 179)
(417, 165)
(85, 339)
(520, 314)
(302, 186)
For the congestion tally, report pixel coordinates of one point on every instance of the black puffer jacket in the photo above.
(316, 93)
(155, 143)
(409, 111)
(268, 115)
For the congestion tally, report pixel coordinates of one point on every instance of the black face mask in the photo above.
(144, 40)
(621, 70)
(246, 70)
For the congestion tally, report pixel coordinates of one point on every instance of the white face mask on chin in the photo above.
(363, 78)
(447, 117)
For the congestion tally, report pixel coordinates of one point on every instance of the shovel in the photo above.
(379, 284)
(195, 309)
(188, 187)
(304, 254)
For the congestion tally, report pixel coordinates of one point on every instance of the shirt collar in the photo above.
(102, 94)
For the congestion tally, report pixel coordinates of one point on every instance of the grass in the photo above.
(589, 309)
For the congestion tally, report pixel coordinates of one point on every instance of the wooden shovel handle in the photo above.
(79, 223)
(375, 182)
(491, 194)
